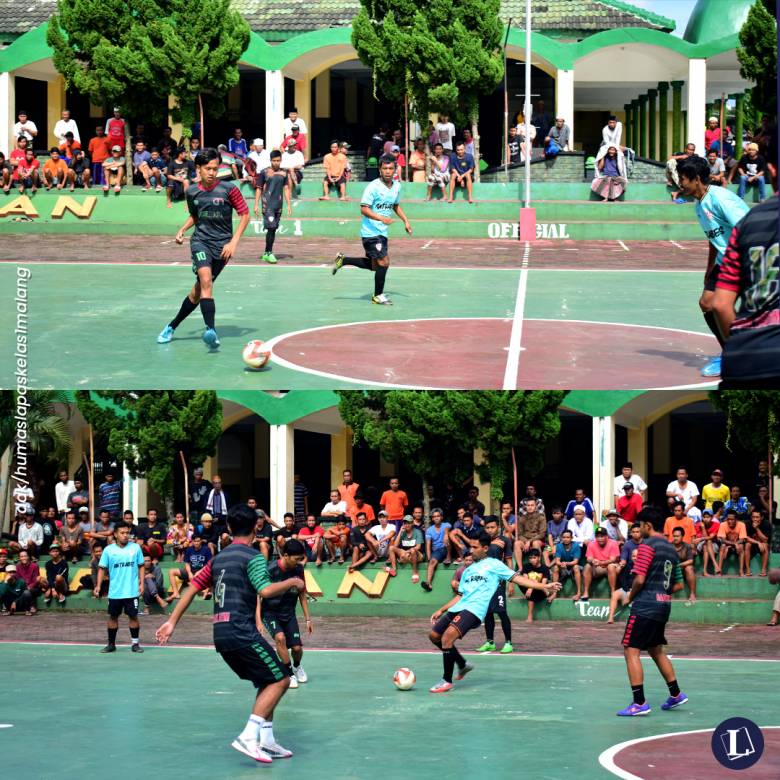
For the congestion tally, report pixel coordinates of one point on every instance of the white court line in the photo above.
(426, 245)
(607, 758)
(624, 246)
(679, 246)
(513, 356)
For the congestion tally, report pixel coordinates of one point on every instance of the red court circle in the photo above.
(472, 353)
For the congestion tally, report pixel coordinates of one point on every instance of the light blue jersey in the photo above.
(380, 199)
(122, 564)
(718, 212)
(478, 585)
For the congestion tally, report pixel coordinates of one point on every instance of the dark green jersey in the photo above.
(281, 606)
(272, 184)
(212, 211)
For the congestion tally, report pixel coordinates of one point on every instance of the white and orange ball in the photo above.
(256, 354)
(404, 679)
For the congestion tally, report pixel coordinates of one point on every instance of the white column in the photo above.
(129, 492)
(282, 451)
(697, 103)
(603, 462)
(564, 100)
(6, 112)
(274, 108)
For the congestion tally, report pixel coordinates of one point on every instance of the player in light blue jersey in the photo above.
(469, 607)
(718, 210)
(380, 199)
(123, 561)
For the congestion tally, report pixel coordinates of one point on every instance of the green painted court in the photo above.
(74, 713)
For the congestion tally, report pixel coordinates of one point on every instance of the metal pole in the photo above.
(721, 117)
(186, 489)
(527, 103)
(506, 104)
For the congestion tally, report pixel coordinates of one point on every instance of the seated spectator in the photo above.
(507, 520)
(383, 536)
(258, 158)
(207, 531)
(558, 135)
(71, 538)
(616, 527)
(717, 169)
(458, 575)
(237, 145)
(581, 526)
(679, 518)
(152, 536)
(400, 163)
(98, 149)
(418, 159)
(360, 505)
(14, 595)
(737, 502)
(732, 536)
(344, 149)
(362, 544)
(80, 171)
(602, 559)
(79, 498)
(181, 173)
(114, 170)
(612, 134)
(103, 530)
(555, 529)
(167, 145)
(436, 545)
(463, 531)
(178, 537)
(158, 167)
(672, 179)
(763, 502)
(759, 539)
(706, 541)
(609, 176)
(89, 582)
(6, 172)
(68, 148)
(537, 571)
(285, 533)
(27, 173)
(418, 519)
(440, 171)
(312, 535)
(292, 162)
(407, 547)
(295, 139)
(264, 535)
(48, 522)
(337, 541)
(55, 170)
(580, 499)
(57, 577)
(712, 133)
(461, 172)
(335, 166)
(228, 165)
(194, 148)
(141, 169)
(531, 493)
(513, 146)
(154, 586)
(530, 532)
(525, 146)
(686, 556)
(336, 507)
(3, 559)
(195, 557)
(566, 562)
(29, 535)
(629, 504)
(625, 571)
(30, 572)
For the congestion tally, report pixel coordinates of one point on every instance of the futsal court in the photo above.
(173, 712)
(596, 314)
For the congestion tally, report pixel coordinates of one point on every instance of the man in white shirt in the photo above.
(260, 155)
(627, 475)
(66, 125)
(25, 127)
(294, 119)
(383, 534)
(612, 133)
(62, 490)
(617, 527)
(683, 489)
(335, 507)
(293, 162)
(446, 131)
(29, 535)
(581, 527)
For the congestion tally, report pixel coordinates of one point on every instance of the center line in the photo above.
(513, 357)
(679, 246)
(425, 246)
(623, 245)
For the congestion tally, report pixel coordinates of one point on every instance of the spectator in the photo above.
(179, 536)
(69, 147)
(30, 572)
(400, 163)
(114, 170)
(612, 134)
(609, 176)
(110, 495)
(80, 171)
(383, 536)
(418, 520)
(195, 558)
(55, 170)
(141, 167)
(717, 169)
(394, 501)
(152, 536)
(473, 504)
(287, 532)
(737, 502)
(62, 490)
(216, 503)
(89, 582)
(312, 535)
(237, 145)
(679, 519)
(616, 527)
(228, 165)
(764, 504)
(751, 169)
(685, 554)
(57, 577)
(336, 507)
(292, 162)
(706, 541)
(440, 171)
(559, 135)
(158, 168)
(337, 541)
(542, 120)
(555, 529)
(6, 173)
(629, 504)
(759, 540)
(513, 146)
(20, 152)
(194, 148)
(295, 139)
(566, 562)
(294, 119)
(536, 570)
(672, 179)
(104, 529)
(360, 506)
(418, 159)
(625, 571)
(407, 547)
(377, 144)
(79, 498)
(468, 141)
(464, 530)
(14, 595)
(72, 538)
(258, 155)
(580, 499)
(581, 526)
(27, 172)
(3, 559)
(393, 140)
(180, 174)
(167, 145)
(732, 536)
(116, 130)
(48, 523)
(525, 146)
(301, 497)
(362, 545)
(29, 535)
(507, 519)
(24, 127)
(715, 490)
(531, 532)
(87, 526)
(683, 490)
(712, 134)
(207, 531)
(602, 558)
(445, 131)
(344, 149)
(154, 586)
(335, 165)
(200, 488)
(436, 545)
(348, 488)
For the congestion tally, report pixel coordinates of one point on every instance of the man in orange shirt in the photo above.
(69, 148)
(98, 152)
(732, 536)
(679, 520)
(347, 490)
(335, 172)
(55, 170)
(360, 505)
(394, 502)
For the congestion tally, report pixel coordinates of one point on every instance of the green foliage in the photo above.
(753, 417)
(48, 436)
(137, 53)
(443, 54)
(758, 56)
(147, 429)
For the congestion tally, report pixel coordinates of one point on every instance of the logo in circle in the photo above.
(737, 743)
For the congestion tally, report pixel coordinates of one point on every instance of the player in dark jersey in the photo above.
(272, 184)
(278, 614)
(211, 204)
(656, 576)
(238, 575)
(500, 549)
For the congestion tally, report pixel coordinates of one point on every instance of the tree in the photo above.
(758, 55)
(138, 53)
(753, 416)
(147, 430)
(442, 54)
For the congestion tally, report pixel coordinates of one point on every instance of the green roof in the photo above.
(711, 18)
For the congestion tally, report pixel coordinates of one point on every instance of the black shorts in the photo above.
(464, 621)
(439, 555)
(375, 247)
(711, 278)
(272, 219)
(207, 256)
(498, 602)
(643, 632)
(276, 624)
(128, 606)
(257, 663)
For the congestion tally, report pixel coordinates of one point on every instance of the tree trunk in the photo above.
(202, 122)
(170, 511)
(186, 488)
(426, 498)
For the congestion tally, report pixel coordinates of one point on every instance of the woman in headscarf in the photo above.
(609, 177)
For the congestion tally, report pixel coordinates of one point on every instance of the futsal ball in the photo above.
(256, 354)
(404, 679)
(774, 576)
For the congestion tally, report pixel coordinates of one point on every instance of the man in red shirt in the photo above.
(18, 154)
(347, 490)
(312, 535)
(116, 129)
(629, 505)
(298, 137)
(603, 557)
(27, 172)
(706, 541)
(394, 502)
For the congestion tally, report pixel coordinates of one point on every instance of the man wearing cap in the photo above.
(292, 162)
(297, 138)
(559, 133)
(616, 527)
(30, 534)
(581, 527)
(715, 490)
(259, 155)
(57, 576)
(383, 535)
(603, 557)
(629, 504)
(751, 170)
(407, 547)
(114, 170)
(14, 595)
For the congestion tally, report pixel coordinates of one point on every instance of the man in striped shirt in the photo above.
(656, 576)
(237, 576)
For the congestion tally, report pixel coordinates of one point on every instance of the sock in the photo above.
(674, 688)
(459, 659)
(208, 309)
(490, 626)
(379, 279)
(187, 307)
(712, 324)
(112, 632)
(267, 733)
(449, 664)
(359, 262)
(270, 235)
(506, 626)
(251, 731)
(134, 633)
(288, 667)
(638, 692)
